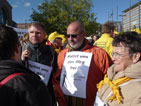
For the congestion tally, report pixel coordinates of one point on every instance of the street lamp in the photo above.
(130, 15)
(139, 13)
(123, 20)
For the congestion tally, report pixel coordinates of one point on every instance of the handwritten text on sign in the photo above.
(74, 73)
(42, 70)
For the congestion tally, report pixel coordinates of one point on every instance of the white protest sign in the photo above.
(74, 73)
(99, 102)
(42, 70)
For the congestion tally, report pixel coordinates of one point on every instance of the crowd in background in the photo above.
(113, 76)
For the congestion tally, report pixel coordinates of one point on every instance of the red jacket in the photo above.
(98, 67)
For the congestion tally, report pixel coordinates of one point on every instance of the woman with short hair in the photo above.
(122, 84)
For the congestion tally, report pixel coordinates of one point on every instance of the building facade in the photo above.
(6, 13)
(22, 25)
(132, 17)
(118, 25)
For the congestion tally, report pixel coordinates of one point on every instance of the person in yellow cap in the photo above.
(56, 40)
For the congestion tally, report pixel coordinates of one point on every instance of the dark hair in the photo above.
(130, 40)
(38, 24)
(8, 42)
(107, 27)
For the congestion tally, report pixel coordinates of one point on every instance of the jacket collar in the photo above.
(106, 35)
(11, 66)
(36, 45)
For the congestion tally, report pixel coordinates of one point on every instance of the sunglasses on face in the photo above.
(72, 35)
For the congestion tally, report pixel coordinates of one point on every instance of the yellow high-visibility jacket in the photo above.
(105, 42)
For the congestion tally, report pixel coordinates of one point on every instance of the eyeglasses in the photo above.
(19, 44)
(72, 35)
(118, 54)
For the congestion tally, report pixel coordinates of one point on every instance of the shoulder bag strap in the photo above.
(5, 80)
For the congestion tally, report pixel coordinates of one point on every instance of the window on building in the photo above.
(2, 21)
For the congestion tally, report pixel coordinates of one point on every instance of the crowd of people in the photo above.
(71, 69)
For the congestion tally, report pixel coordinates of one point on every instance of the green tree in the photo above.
(57, 14)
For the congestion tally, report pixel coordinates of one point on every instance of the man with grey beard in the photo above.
(98, 64)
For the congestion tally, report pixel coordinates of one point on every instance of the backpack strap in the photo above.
(5, 80)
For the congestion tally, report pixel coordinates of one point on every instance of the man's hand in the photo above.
(25, 55)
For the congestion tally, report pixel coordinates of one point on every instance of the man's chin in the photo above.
(73, 46)
(34, 42)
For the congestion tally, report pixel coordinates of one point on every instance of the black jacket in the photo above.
(44, 54)
(22, 90)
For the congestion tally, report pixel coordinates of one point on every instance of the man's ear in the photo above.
(16, 53)
(136, 57)
(112, 33)
(84, 34)
(17, 49)
(45, 35)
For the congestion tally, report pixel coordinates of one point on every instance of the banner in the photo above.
(19, 31)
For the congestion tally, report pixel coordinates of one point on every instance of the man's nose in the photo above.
(35, 33)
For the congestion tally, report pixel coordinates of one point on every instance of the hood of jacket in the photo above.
(8, 67)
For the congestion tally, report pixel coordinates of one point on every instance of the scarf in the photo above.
(114, 87)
